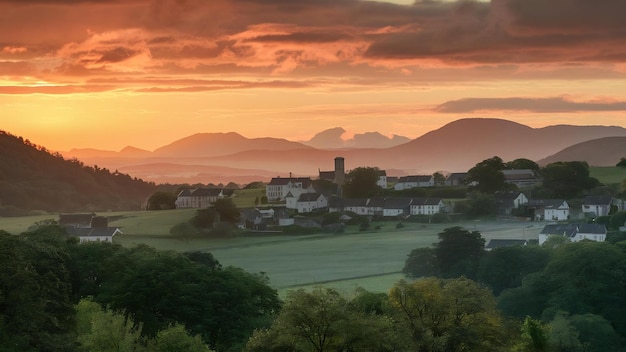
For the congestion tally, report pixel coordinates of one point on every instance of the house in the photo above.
(375, 206)
(456, 179)
(574, 232)
(592, 232)
(97, 230)
(199, 197)
(357, 206)
(520, 177)
(382, 179)
(426, 206)
(250, 218)
(549, 209)
(498, 243)
(408, 182)
(393, 207)
(597, 205)
(309, 202)
(279, 187)
(506, 201)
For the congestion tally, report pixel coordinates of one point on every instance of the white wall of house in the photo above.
(393, 212)
(291, 202)
(598, 209)
(307, 207)
(382, 181)
(84, 239)
(598, 237)
(420, 209)
(360, 210)
(556, 214)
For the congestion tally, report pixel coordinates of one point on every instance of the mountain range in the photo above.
(455, 147)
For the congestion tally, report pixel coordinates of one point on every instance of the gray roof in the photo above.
(76, 220)
(309, 197)
(568, 230)
(415, 178)
(598, 200)
(425, 201)
(95, 232)
(397, 203)
(597, 229)
(545, 203)
(510, 195)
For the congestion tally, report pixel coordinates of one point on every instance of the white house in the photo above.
(549, 209)
(308, 202)
(574, 232)
(357, 206)
(97, 230)
(597, 205)
(198, 197)
(382, 179)
(426, 206)
(507, 201)
(393, 207)
(408, 182)
(280, 187)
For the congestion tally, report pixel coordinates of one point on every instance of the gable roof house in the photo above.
(393, 207)
(549, 209)
(309, 202)
(279, 187)
(426, 206)
(597, 205)
(77, 220)
(574, 232)
(97, 230)
(520, 177)
(456, 179)
(199, 197)
(408, 182)
(506, 201)
(250, 218)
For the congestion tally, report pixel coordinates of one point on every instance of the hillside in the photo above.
(598, 152)
(31, 178)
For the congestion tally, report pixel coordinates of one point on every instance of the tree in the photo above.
(36, 310)
(102, 330)
(488, 175)
(184, 231)
(421, 262)
(568, 179)
(458, 252)
(535, 336)
(361, 183)
(222, 211)
(162, 201)
(439, 178)
(506, 267)
(621, 163)
(176, 338)
(323, 320)
(522, 163)
(449, 315)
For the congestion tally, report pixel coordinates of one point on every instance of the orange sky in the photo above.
(110, 73)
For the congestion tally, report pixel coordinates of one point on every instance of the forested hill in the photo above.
(31, 178)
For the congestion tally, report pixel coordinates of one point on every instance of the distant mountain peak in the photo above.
(333, 138)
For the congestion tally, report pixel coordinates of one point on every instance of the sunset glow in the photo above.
(111, 73)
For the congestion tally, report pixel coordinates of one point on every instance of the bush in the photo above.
(399, 225)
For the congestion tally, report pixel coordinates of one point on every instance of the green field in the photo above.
(372, 260)
(608, 174)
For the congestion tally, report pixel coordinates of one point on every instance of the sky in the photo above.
(106, 74)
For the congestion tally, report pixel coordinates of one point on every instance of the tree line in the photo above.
(33, 178)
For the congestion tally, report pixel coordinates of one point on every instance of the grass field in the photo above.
(372, 259)
(608, 174)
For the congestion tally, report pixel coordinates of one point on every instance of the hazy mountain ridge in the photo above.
(605, 151)
(455, 147)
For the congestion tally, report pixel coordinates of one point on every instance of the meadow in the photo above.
(370, 259)
(608, 174)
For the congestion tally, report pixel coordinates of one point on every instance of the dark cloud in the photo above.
(569, 14)
(116, 55)
(536, 105)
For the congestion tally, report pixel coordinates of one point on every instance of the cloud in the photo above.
(535, 105)
(14, 50)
